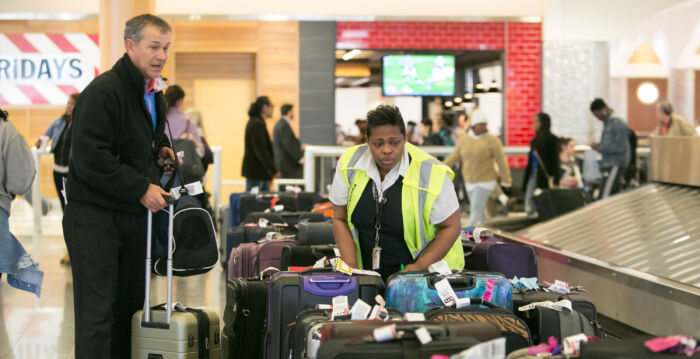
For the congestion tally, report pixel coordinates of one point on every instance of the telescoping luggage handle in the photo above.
(146, 320)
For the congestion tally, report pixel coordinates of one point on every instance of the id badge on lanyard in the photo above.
(377, 250)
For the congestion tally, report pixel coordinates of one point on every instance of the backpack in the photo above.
(191, 169)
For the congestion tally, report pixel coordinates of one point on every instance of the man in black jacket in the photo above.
(289, 153)
(118, 146)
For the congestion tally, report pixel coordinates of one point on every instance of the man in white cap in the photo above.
(478, 151)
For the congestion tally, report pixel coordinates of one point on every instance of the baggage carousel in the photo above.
(637, 253)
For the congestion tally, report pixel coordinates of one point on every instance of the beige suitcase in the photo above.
(167, 331)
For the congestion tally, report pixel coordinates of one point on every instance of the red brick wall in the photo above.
(522, 43)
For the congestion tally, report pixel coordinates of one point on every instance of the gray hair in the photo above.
(665, 107)
(134, 26)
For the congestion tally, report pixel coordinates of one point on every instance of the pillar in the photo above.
(113, 16)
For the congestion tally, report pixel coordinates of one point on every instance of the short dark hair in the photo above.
(598, 104)
(286, 109)
(3, 115)
(385, 115)
(564, 141)
(255, 109)
(134, 26)
(173, 94)
(427, 122)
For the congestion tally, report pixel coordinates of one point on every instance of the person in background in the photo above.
(178, 126)
(61, 155)
(446, 132)
(614, 147)
(429, 137)
(671, 123)
(16, 176)
(542, 162)
(394, 206)
(570, 174)
(258, 159)
(194, 115)
(119, 149)
(411, 132)
(362, 127)
(289, 153)
(478, 152)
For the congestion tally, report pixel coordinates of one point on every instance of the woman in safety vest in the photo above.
(395, 207)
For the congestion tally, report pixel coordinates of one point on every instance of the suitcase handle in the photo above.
(146, 319)
(324, 279)
(457, 283)
(329, 285)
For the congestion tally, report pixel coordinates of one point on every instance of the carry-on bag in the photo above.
(554, 202)
(292, 292)
(559, 323)
(313, 233)
(407, 346)
(285, 218)
(244, 317)
(303, 201)
(249, 259)
(167, 331)
(511, 327)
(415, 291)
(306, 256)
(580, 301)
(509, 259)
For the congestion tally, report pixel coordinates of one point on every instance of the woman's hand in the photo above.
(412, 268)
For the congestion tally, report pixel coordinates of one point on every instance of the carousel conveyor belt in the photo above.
(637, 253)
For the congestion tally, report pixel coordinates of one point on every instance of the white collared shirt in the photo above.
(445, 204)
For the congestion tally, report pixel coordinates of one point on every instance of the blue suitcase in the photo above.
(415, 291)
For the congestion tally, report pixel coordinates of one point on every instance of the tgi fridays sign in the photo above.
(46, 68)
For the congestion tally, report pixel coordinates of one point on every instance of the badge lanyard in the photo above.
(379, 206)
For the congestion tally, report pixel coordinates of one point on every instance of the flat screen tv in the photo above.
(418, 75)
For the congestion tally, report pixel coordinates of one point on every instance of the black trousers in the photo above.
(58, 182)
(107, 251)
(611, 181)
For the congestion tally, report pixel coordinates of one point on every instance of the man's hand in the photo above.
(166, 153)
(153, 198)
(594, 145)
(38, 143)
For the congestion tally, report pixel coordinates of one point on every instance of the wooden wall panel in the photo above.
(696, 116)
(640, 117)
(215, 36)
(199, 66)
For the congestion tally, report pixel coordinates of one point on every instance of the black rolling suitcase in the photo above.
(546, 322)
(244, 318)
(306, 256)
(303, 201)
(292, 292)
(312, 233)
(285, 217)
(580, 301)
(165, 331)
(554, 202)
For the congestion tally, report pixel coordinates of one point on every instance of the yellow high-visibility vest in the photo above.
(421, 186)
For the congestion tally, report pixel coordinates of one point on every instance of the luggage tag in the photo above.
(423, 335)
(446, 293)
(572, 344)
(414, 317)
(342, 267)
(336, 251)
(463, 302)
(378, 311)
(492, 349)
(193, 189)
(385, 333)
(440, 267)
(360, 310)
(321, 263)
(488, 294)
(262, 222)
(340, 308)
(558, 306)
(366, 272)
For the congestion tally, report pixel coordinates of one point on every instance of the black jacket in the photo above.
(258, 160)
(288, 151)
(547, 146)
(114, 147)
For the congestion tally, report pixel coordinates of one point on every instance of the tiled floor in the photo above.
(33, 328)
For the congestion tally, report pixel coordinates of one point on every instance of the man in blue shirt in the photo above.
(614, 146)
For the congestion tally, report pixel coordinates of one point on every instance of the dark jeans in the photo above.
(58, 182)
(107, 251)
(263, 185)
(611, 181)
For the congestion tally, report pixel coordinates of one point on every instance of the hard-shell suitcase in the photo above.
(306, 256)
(234, 213)
(285, 217)
(547, 322)
(415, 291)
(167, 332)
(249, 259)
(315, 233)
(251, 234)
(407, 346)
(580, 301)
(244, 318)
(292, 292)
(511, 327)
(508, 259)
(223, 220)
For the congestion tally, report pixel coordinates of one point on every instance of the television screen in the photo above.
(418, 75)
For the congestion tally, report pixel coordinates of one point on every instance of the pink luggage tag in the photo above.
(676, 344)
(488, 294)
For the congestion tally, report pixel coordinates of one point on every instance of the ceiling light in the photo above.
(448, 104)
(468, 96)
(647, 93)
(350, 54)
(479, 88)
(493, 87)
(458, 99)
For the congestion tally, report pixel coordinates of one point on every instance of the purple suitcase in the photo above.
(249, 259)
(508, 259)
(292, 292)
